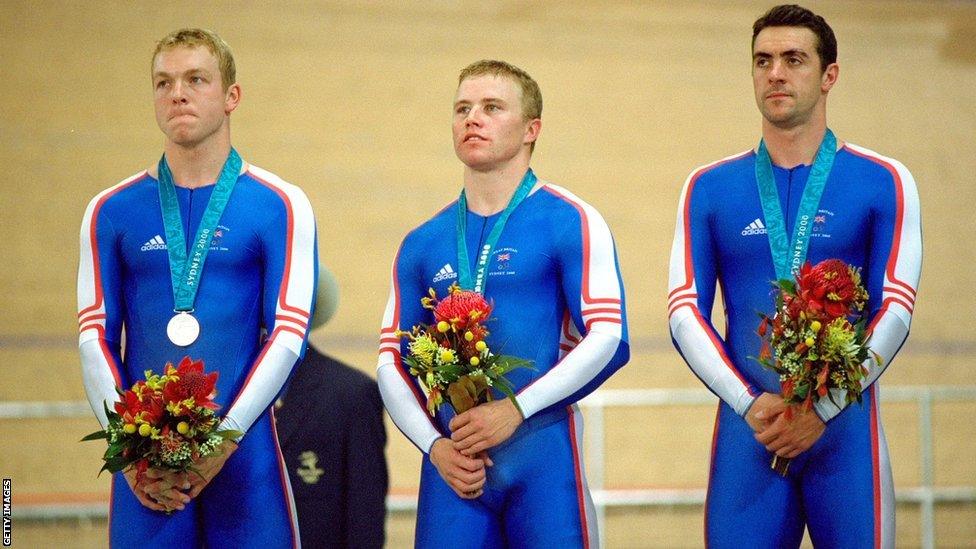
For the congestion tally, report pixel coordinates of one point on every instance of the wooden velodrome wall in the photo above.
(352, 102)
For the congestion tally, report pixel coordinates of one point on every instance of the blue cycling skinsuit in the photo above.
(841, 487)
(253, 305)
(559, 302)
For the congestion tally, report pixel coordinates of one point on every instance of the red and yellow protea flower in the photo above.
(189, 386)
(462, 308)
(830, 289)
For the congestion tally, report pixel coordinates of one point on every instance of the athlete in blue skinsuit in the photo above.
(254, 296)
(839, 484)
(558, 301)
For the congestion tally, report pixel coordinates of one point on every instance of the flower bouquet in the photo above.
(452, 357)
(817, 340)
(167, 422)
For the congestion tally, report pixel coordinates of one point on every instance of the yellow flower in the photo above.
(810, 341)
(129, 428)
(443, 326)
(447, 356)
(815, 326)
(145, 430)
(475, 361)
(182, 427)
(423, 349)
(468, 336)
(839, 342)
(481, 346)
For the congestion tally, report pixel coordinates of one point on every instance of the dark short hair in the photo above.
(791, 15)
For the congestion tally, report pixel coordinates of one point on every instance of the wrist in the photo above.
(432, 452)
(516, 409)
(745, 413)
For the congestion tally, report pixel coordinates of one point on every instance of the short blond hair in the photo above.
(531, 95)
(192, 38)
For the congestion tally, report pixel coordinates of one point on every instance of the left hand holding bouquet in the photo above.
(789, 438)
(485, 426)
(159, 490)
(206, 468)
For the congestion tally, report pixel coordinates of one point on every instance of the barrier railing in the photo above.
(926, 495)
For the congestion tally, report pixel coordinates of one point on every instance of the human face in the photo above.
(489, 130)
(791, 87)
(191, 104)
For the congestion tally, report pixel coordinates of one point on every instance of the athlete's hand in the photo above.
(790, 438)
(764, 411)
(485, 426)
(466, 476)
(208, 467)
(159, 490)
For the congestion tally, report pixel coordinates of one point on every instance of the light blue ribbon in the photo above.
(186, 269)
(790, 254)
(464, 266)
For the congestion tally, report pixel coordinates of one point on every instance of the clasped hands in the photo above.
(462, 460)
(162, 490)
(786, 438)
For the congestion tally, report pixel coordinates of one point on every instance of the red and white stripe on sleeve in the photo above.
(890, 325)
(701, 346)
(99, 367)
(292, 311)
(584, 359)
(404, 402)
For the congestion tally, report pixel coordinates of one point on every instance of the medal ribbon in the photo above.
(464, 266)
(187, 269)
(790, 254)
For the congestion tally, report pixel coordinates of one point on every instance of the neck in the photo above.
(791, 147)
(488, 192)
(199, 165)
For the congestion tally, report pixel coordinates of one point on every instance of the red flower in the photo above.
(828, 289)
(142, 400)
(129, 406)
(765, 352)
(763, 326)
(461, 308)
(141, 467)
(192, 383)
(154, 408)
(787, 388)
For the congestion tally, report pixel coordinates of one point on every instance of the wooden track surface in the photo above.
(351, 101)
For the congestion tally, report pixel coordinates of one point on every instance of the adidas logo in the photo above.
(155, 243)
(756, 227)
(445, 273)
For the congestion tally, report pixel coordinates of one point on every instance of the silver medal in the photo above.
(183, 329)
